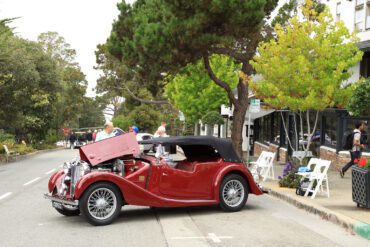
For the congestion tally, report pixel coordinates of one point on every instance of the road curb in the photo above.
(26, 156)
(354, 226)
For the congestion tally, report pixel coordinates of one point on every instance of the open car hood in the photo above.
(111, 148)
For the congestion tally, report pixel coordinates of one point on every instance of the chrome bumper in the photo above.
(66, 202)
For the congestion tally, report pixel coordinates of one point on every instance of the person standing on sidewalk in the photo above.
(357, 146)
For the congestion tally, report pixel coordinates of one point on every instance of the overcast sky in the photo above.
(83, 23)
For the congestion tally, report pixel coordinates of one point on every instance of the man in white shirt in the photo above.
(355, 152)
(106, 133)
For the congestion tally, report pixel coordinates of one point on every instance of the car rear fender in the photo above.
(236, 169)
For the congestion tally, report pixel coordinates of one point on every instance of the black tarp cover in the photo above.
(191, 144)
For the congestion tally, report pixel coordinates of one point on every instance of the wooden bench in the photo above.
(9, 153)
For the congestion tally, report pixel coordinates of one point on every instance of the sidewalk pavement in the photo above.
(339, 208)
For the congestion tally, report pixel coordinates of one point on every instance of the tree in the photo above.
(123, 122)
(305, 67)
(72, 85)
(29, 90)
(359, 103)
(195, 94)
(91, 114)
(152, 37)
(118, 80)
(291, 8)
(143, 116)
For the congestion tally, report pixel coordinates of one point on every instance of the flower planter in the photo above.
(361, 186)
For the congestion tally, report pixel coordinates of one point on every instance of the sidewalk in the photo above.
(339, 208)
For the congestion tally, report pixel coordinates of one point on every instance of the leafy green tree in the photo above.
(212, 118)
(359, 103)
(72, 85)
(146, 118)
(123, 122)
(291, 8)
(195, 94)
(305, 67)
(152, 37)
(91, 114)
(143, 116)
(29, 90)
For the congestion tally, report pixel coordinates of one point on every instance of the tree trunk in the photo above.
(237, 128)
(240, 109)
(240, 102)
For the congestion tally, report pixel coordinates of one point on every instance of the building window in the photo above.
(365, 65)
(338, 11)
(359, 3)
(359, 19)
(267, 129)
(367, 16)
(331, 125)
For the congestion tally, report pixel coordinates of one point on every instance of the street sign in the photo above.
(255, 105)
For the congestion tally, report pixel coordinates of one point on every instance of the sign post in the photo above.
(254, 107)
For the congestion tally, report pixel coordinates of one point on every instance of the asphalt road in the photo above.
(26, 219)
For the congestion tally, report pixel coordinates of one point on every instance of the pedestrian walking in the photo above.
(357, 146)
(72, 140)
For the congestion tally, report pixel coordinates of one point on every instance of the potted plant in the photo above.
(361, 182)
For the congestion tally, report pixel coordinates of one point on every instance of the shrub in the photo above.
(51, 137)
(290, 181)
(22, 149)
(5, 137)
(360, 100)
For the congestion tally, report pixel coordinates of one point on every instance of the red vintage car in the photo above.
(185, 171)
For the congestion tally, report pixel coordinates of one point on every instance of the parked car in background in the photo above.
(144, 137)
(81, 139)
(112, 173)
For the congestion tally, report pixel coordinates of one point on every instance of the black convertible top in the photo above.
(199, 144)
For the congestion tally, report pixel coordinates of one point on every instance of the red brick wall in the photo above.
(327, 153)
(274, 149)
(282, 153)
(258, 148)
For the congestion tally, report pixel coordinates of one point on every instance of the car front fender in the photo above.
(131, 193)
(54, 180)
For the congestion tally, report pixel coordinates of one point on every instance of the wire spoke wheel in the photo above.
(233, 193)
(102, 203)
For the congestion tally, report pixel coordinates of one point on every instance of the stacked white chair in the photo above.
(320, 176)
(263, 166)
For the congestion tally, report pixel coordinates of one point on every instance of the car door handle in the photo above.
(164, 174)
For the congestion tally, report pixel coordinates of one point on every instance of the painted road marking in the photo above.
(5, 195)
(47, 173)
(211, 236)
(32, 181)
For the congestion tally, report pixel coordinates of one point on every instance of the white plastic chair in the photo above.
(320, 175)
(313, 161)
(264, 166)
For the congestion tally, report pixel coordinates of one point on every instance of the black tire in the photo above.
(114, 194)
(68, 212)
(238, 181)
